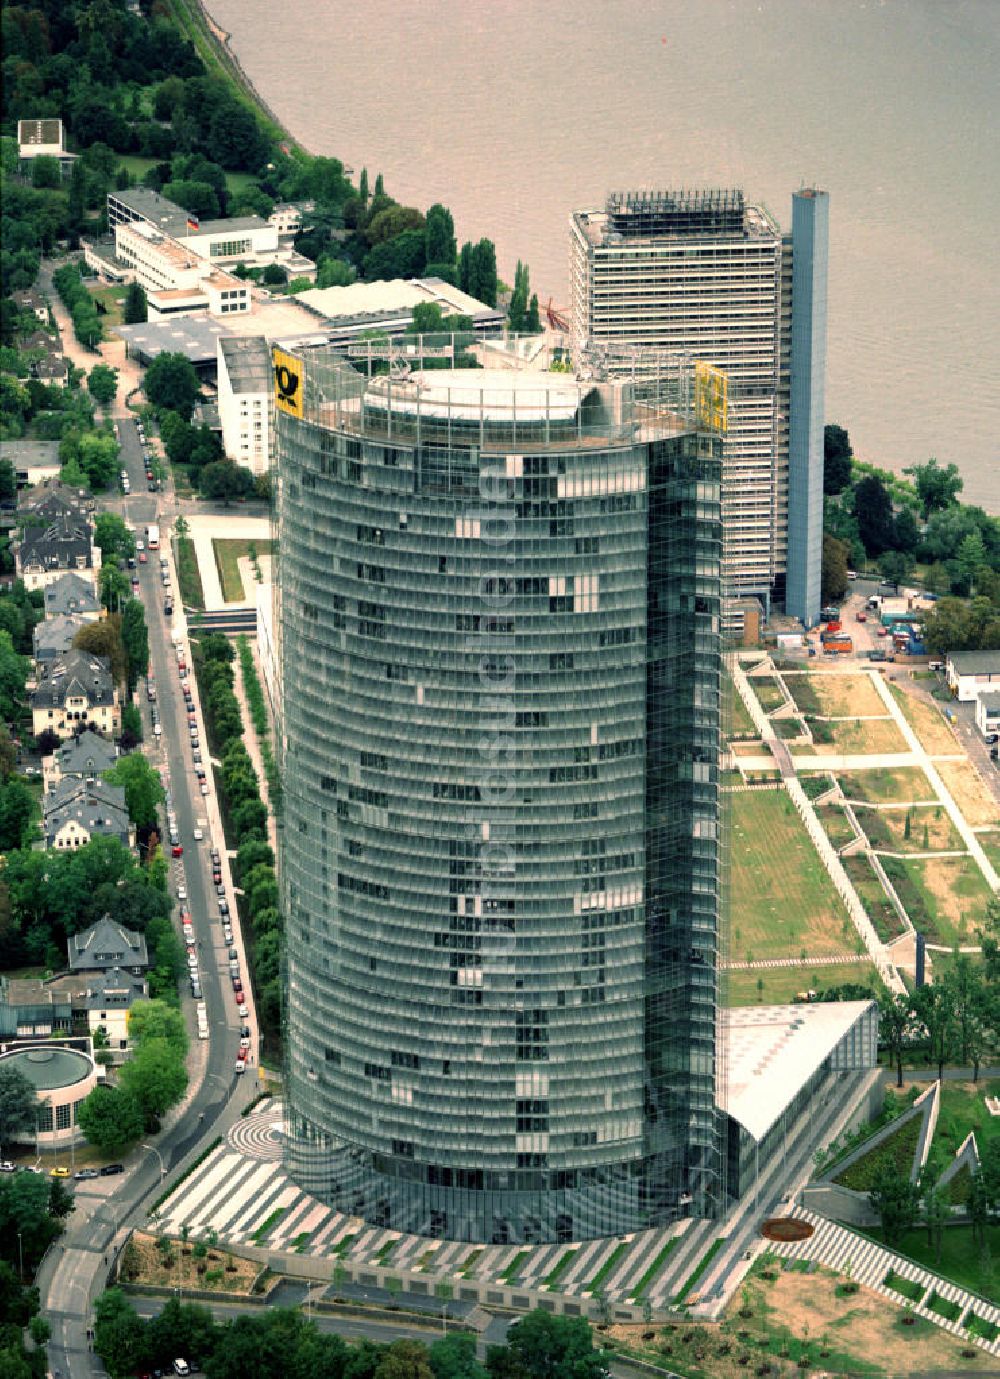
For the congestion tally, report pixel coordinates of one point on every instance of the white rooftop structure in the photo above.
(394, 295)
(774, 1050)
(481, 394)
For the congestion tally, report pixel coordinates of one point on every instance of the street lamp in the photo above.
(20, 1258)
(153, 1150)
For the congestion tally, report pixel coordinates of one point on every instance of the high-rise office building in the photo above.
(501, 692)
(710, 273)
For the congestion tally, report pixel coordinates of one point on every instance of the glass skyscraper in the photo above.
(500, 646)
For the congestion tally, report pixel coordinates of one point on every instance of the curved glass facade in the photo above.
(500, 642)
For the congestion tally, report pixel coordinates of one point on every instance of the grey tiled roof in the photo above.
(107, 945)
(77, 673)
(71, 594)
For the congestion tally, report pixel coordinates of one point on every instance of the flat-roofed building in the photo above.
(245, 383)
(176, 278)
(354, 311)
(972, 673)
(709, 273)
(44, 138)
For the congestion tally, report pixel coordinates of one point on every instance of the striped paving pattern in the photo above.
(836, 1247)
(242, 1193)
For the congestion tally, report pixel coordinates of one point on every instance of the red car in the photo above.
(142, 557)
(177, 850)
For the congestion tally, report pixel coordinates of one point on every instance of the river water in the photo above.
(513, 112)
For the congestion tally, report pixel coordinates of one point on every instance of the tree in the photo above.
(111, 1119)
(895, 1020)
(933, 1009)
(274, 275)
(895, 567)
(895, 1199)
(518, 310)
(454, 1357)
(971, 557)
(250, 819)
(155, 1077)
(405, 1360)
(18, 1104)
(552, 1347)
(533, 320)
(441, 245)
(836, 459)
(112, 537)
(104, 638)
(17, 810)
(13, 675)
(143, 789)
(834, 576)
(135, 640)
(963, 982)
(399, 257)
(156, 1020)
(483, 272)
(907, 531)
(136, 308)
(334, 272)
(226, 480)
(937, 487)
(118, 1335)
(102, 384)
(873, 509)
(171, 384)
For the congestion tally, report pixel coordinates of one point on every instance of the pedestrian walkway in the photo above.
(833, 960)
(205, 529)
(870, 1264)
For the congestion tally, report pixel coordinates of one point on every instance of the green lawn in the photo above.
(227, 554)
(138, 167)
(945, 897)
(768, 692)
(112, 299)
(782, 901)
(736, 717)
(880, 908)
(896, 1152)
(188, 575)
(910, 830)
(836, 824)
(960, 1261)
(882, 787)
(782, 984)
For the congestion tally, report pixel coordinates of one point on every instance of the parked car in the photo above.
(7, 1167)
(241, 1065)
(60, 1171)
(204, 787)
(177, 850)
(223, 905)
(83, 1175)
(243, 1009)
(244, 1041)
(109, 1170)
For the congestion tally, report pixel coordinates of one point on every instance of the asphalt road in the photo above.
(74, 1270)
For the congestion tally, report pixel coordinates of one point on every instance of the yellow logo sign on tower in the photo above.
(711, 396)
(288, 387)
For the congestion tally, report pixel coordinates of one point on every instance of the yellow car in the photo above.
(59, 1172)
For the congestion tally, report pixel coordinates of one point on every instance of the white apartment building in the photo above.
(248, 240)
(711, 274)
(176, 279)
(244, 399)
(701, 272)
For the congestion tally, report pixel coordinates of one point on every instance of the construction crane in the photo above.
(556, 317)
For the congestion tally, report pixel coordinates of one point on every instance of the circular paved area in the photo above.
(261, 1134)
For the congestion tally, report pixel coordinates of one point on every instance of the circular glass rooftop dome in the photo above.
(49, 1068)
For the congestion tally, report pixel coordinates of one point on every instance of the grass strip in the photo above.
(700, 1268)
(386, 1250)
(301, 1241)
(976, 1325)
(514, 1267)
(944, 1307)
(188, 575)
(654, 1268)
(343, 1245)
(186, 1174)
(264, 1229)
(609, 1264)
(561, 1265)
(909, 1287)
(469, 1263)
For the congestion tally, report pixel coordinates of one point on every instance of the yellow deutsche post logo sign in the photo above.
(288, 383)
(711, 396)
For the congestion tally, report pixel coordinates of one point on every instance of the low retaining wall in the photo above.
(839, 1204)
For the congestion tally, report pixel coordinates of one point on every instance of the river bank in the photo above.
(211, 42)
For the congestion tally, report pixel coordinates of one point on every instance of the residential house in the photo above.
(42, 554)
(54, 636)
(107, 946)
(74, 595)
(73, 692)
(31, 301)
(972, 673)
(86, 757)
(34, 461)
(108, 1003)
(45, 502)
(75, 811)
